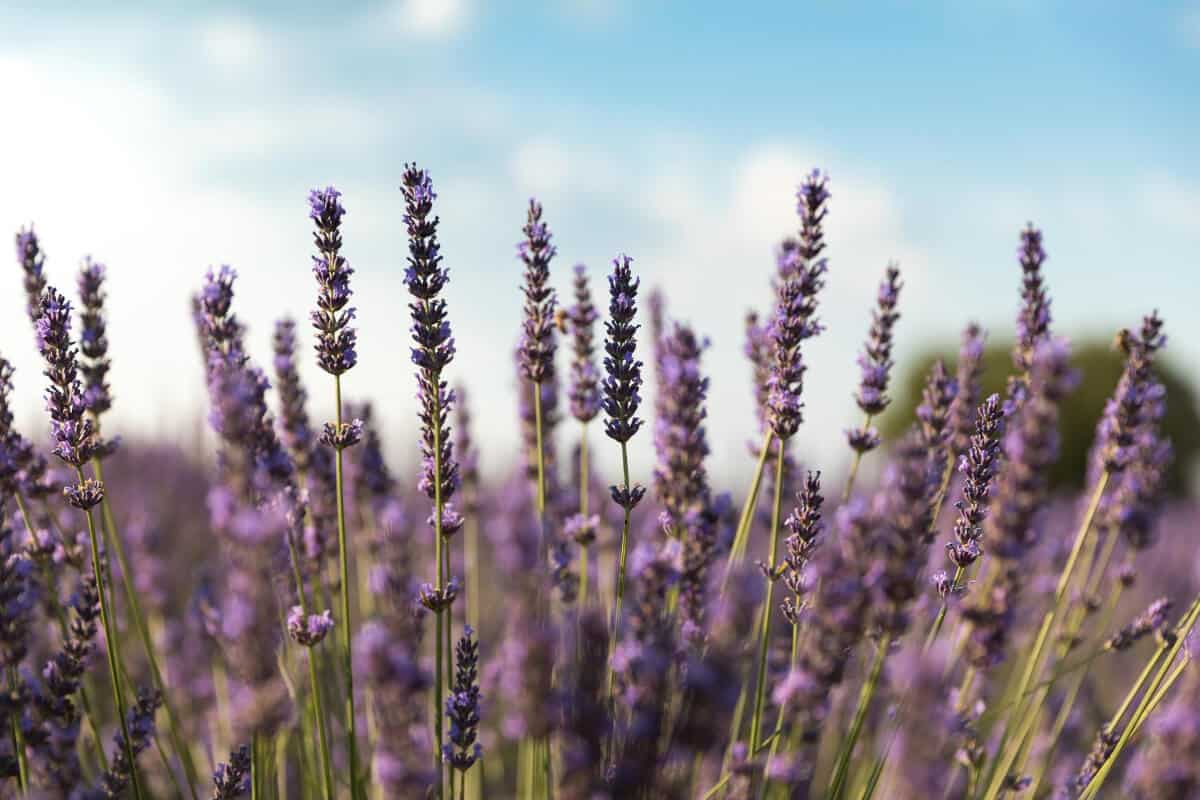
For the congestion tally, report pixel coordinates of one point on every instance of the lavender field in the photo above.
(277, 611)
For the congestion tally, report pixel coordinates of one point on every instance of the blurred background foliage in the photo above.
(1100, 364)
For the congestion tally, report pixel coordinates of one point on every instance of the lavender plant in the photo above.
(1040, 663)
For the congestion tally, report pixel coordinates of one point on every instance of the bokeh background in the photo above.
(162, 141)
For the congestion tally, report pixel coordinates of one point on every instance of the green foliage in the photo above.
(1100, 366)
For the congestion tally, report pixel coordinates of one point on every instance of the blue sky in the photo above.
(164, 142)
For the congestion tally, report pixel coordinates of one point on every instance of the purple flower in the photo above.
(140, 723)
(933, 413)
(967, 376)
(231, 779)
(800, 279)
(537, 332)
(75, 441)
(93, 343)
(425, 276)
(32, 261)
(585, 377)
(978, 465)
(623, 379)
(336, 339)
(1033, 321)
(876, 359)
(1030, 449)
(463, 705)
(308, 630)
(1135, 394)
(1152, 620)
(804, 526)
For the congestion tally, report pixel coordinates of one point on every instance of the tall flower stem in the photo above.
(313, 680)
(583, 511)
(344, 565)
(110, 644)
(855, 462)
(113, 540)
(18, 739)
(623, 553)
(441, 665)
(541, 456)
(738, 550)
(841, 768)
(1150, 699)
(760, 688)
(1033, 660)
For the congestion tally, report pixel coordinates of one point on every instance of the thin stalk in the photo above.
(113, 539)
(111, 645)
(760, 689)
(255, 768)
(583, 512)
(541, 459)
(936, 628)
(18, 738)
(783, 709)
(842, 766)
(854, 464)
(622, 558)
(344, 564)
(738, 550)
(1033, 661)
(1148, 703)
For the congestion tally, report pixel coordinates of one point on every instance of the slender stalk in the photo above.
(842, 765)
(760, 689)
(18, 738)
(583, 511)
(1149, 701)
(783, 709)
(113, 539)
(344, 564)
(541, 456)
(623, 555)
(1033, 661)
(111, 645)
(255, 768)
(738, 550)
(936, 628)
(314, 681)
(854, 464)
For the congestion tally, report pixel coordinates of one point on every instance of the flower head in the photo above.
(537, 332)
(336, 339)
(584, 390)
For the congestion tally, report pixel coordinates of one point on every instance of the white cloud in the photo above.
(434, 19)
(234, 44)
(541, 166)
(1171, 201)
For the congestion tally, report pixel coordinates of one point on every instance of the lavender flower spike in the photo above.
(537, 338)
(801, 277)
(1033, 320)
(1149, 621)
(623, 380)
(232, 780)
(93, 344)
(967, 374)
(336, 339)
(978, 465)
(584, 391)
(462, 706)
(32, 261)
(876, 361)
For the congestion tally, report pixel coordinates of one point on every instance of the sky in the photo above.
(163, 142)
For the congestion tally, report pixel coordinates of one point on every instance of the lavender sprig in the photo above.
(336, 338)
(967, 375)
(231, 779)
(93, 343)
(463, 706)
(876, 362)
(32, 260)
(978, 465)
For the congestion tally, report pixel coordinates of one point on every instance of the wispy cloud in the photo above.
(432, 19)
(234, 44)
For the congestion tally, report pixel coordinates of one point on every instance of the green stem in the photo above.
(738, 550)
(1033, 661)
(1149, 701)
(541, 456)
(936, 628)
(347, 626)
(583, 512)
(18, 738)
(841, 768)
(854, 464)
(113, 539)
(783, 709)
(760, 688)
(111, 645)
(622, 559)
(436, 424)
